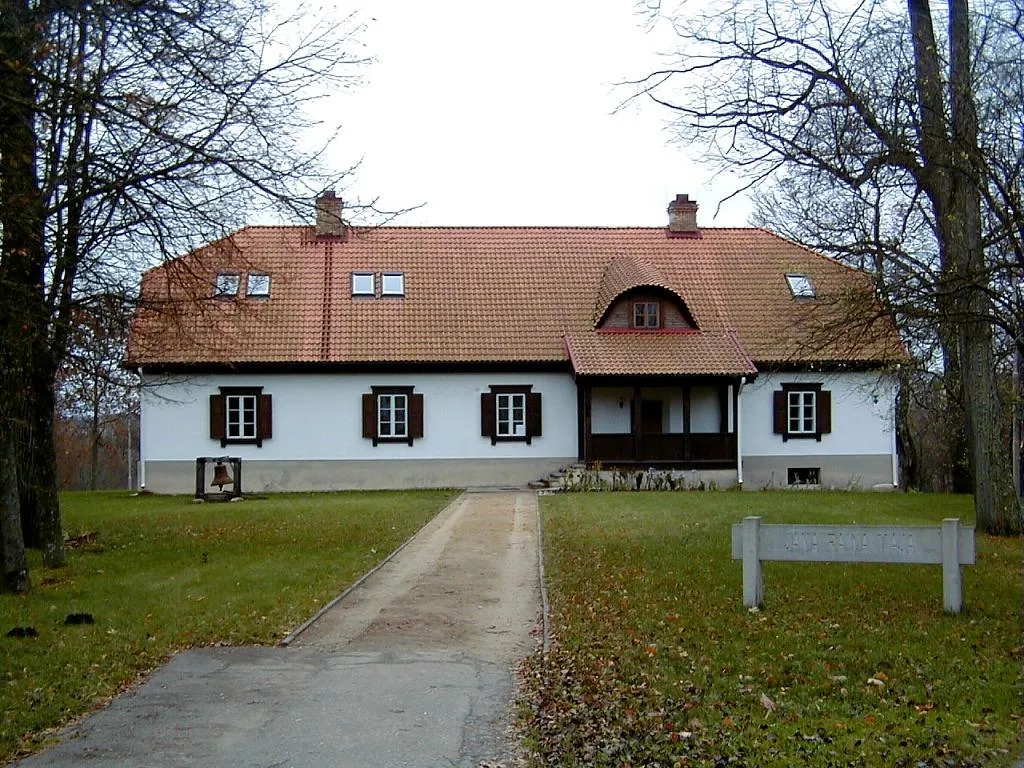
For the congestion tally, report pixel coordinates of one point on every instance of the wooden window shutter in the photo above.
(533, 410)
(824, 406)
(415, 417)
(265, 427)
(780, 412)
(370, 417)
(218, 417)
(488, 415)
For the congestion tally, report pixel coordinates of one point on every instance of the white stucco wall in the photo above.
(705, 410)
(606, 417)
(863, 411)
(319, 416)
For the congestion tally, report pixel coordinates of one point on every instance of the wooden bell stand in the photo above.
(235, 492)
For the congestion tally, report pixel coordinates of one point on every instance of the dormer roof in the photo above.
(625, 274)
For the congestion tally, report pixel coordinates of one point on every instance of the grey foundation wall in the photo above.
(860, 472)
(279, 476)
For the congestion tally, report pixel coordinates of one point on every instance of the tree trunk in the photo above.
(37, 467)
(955, 429)
(13, 563)
(905, 439)
(997, 506)
(952, 182)
(27, 379)
(94, 437)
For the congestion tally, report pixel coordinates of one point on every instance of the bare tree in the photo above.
(881, 116)
(131, 132)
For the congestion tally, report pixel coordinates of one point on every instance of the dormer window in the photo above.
(227, 284)
(646, 314)
(363, 284)
(800, 286)
(258, 285)
(392, 284)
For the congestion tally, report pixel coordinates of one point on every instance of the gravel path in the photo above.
(411, 669)
(467, 583)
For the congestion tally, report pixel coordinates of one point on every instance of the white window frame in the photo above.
(510, 414)
(360, 286)
(240, 417)
(392, 416)
(392, 284)
(228, 284)
(802, 412)
(257, 284)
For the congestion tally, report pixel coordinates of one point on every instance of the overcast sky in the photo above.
(504, 113)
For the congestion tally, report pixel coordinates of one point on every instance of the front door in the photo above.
(650, 417)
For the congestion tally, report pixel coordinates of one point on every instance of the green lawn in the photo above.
(163, 574)
(658, 663)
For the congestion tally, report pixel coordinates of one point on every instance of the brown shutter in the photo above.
(415, 417)
(488, 415)
(780, 412)
(265, 427)
(824, 412)
(370, 417)
(218, 417)
(533, 421)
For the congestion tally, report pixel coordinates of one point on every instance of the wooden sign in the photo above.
(950, 545)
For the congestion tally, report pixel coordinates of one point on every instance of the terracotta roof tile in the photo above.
(670, 354)
(478, 294)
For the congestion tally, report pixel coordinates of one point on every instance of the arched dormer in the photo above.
(633, 295)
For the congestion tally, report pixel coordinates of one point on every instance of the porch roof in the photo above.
(692, 353)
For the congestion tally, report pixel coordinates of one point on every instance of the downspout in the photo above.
(739, 434)
(893, 448)
(142, 443)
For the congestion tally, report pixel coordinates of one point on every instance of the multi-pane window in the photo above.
(646, 314)
(392, 416)
(801, 412)
(510, 409)
(240, 417)
(510, 413)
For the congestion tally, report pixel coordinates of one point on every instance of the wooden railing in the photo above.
(694, 449)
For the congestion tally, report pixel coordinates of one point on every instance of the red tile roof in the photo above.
(694, 353)
(481, 294)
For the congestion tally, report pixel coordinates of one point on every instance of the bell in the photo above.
(221, 476)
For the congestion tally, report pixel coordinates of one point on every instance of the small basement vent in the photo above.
(803, 475)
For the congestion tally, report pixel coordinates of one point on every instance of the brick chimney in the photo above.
(328, 215)
(682, 217)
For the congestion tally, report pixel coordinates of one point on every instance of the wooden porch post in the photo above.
(687, 407)
(584, 396)
(634, 410)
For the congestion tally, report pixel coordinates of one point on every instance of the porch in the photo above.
(687, 424)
